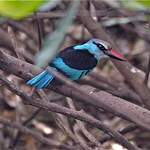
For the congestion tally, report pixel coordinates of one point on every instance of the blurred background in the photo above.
(35, 31)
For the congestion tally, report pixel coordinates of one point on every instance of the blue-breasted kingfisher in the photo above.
(76, 61)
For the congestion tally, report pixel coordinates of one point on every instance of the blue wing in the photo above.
(72, 73)
(40, 81)
(74, 64)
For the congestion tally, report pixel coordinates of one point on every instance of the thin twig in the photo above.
(81, 125)
(15, 43)
(36, 135)
(80, 137)
(25, 123)
(59, 120)
(103, 100)
(147, 72)
(40, 30)
(60, 109)
(132, 78)
(21, 27)
(126, 130)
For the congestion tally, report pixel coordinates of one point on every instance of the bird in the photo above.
(76, 62)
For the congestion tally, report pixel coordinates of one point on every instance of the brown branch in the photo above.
(126, 130)
(80, 138)
(48, 15)
(21, 27)
(62, 122)
(16, 66)
(36, 135)
(17, 48)
(121, 91)
(82, 127)
(60, 119)
(60, 109)
(125, 68)
(93, 98)
(102, 100)
(147, 72)
(39, 24)
(5, 40)
(25, 123)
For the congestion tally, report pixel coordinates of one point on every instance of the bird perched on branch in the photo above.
(76, 61)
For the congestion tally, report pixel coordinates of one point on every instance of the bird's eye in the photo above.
(100, 46)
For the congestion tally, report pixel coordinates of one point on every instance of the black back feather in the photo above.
(78, 59)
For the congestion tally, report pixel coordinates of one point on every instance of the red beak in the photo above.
(114, 54)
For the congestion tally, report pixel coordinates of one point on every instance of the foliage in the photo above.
(136, 4)
(145, 3)
(18, 9)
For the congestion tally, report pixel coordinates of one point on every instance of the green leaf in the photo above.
(17, 9)
(52, 43)
(136, 4)
(145, 3)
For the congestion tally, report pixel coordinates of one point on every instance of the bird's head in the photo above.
(101, 49)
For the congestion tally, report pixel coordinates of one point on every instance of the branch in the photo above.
(114, 106)
(126, 130)
(25, 123)
(121, 91)
(5, 40)
(147, 72)
(125, 68)
(102, 100)
(36, 135)
(19, 26)
(75, 114)
(82, 127)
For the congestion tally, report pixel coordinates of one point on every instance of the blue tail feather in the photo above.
(40, 81)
